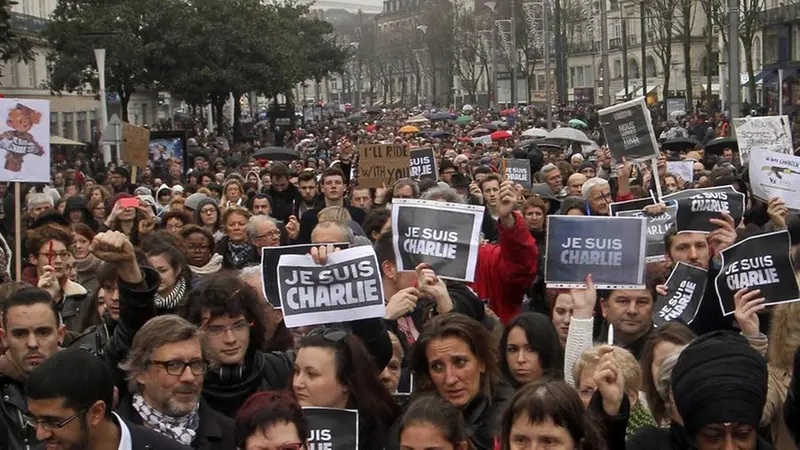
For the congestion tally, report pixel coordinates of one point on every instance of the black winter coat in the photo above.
(309, 221)
(215, 432)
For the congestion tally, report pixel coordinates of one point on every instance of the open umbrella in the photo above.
(467, 108)
(496, 125)
(418, 119)
(277, 154)
(355, 118)
(716, 146)
(535, 132)
(508, 112)
(371, 128)
(409, 129)
(568, 134)
(440, 116)
(586, 149)
(502, 134)
(577, 123)
(463, 120)
(374, 110)
(478, 132)
(436, 134)
(680, 144)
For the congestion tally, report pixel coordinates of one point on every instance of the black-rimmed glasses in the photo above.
(176, 368)
(50, 424)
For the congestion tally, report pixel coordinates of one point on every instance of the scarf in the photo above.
(239, 253)
(639, 417)
(182, 429)
(173, 298)
(213, 265)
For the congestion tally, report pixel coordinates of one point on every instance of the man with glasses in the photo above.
(69, 399)
(165, 368)
(49, 251)
(31, 333)
(263, 231)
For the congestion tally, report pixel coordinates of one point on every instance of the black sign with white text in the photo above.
(696, 207)
(628, 131)
(657, 227)
(444, 235)
(422, 164)
(631, 205)
(349, 287)
(760, 262)
(269, 266)
(331, 428)
(685, 288)
(612, 249)
(518, 171)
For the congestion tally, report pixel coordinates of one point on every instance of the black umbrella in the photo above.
(374, 110)
(715, 146)
(678, 144)
(277, 154)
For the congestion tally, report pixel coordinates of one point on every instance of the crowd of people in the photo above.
(141, 320)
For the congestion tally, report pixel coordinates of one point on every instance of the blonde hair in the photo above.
(627, 363)
(334, 214)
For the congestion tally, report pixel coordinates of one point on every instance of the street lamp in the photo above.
(357, 96)
(100, 58)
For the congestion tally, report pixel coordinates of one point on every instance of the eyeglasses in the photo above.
(50, 424)
(177, 368)
(329, 334)
(273, 233)
(238, 327)
(62, 254)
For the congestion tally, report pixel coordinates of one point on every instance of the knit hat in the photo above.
(193, 201)
(719, 378)
(142, 190)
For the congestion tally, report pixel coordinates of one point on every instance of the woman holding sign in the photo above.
(456, 357)
(333, 369)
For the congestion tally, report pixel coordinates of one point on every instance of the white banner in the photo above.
(771, 133)
(776, 175)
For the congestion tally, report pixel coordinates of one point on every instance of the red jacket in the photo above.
(506, 270)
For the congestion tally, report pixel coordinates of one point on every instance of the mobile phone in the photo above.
(129, 202)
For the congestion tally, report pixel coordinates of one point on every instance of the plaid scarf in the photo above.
(182, 429)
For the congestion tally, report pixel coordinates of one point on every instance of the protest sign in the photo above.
(657, 227)
(760, 262)
(775, 175)
(349, 287)
(381, 163)
(406, 385)
(771, 133)
(444, 235)
(484, 140)
(331, 428)
(269, 266)
(25, 140)
(629, 132)
(612, 249)
(683, 169)
(518, 171)
(422, 164)
(631, 205)
(135, 145)
(685, 289)
(696, 207)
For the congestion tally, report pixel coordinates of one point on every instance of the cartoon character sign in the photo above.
(25, 133)
(18, 142)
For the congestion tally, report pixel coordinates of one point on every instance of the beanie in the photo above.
(719, 378)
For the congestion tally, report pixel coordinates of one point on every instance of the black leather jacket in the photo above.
(14, 434)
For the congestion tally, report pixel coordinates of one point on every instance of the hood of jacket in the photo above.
(784, 335)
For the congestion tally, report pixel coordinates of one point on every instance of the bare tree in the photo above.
(708, 31)
(683, 28)
(749, 26)
(439, 20)
(468, 53)
(662, 18)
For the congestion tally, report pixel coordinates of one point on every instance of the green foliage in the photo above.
(12, 45)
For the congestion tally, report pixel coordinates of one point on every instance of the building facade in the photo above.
(781, 49)
(72, 116)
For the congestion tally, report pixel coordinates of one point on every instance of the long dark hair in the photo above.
(543, 339)
(356, 369)
(557, 401)
(674, 333)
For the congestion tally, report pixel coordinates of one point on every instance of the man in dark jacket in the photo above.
(283, 193)
(31, 334)
(165, 369)
(333, 190)
(69, 403)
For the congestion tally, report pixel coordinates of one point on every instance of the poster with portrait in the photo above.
(25, 140)
(167, 149)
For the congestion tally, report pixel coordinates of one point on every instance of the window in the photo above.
(93, 121)
(334, 84)
(66, 130)
(540, 83)
(81, 123)
(572, 77)
(617, 69)
(32, 80)
(54, 124)
(144, 113)
(12, 70)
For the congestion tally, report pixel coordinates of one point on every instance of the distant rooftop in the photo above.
(349, 5)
